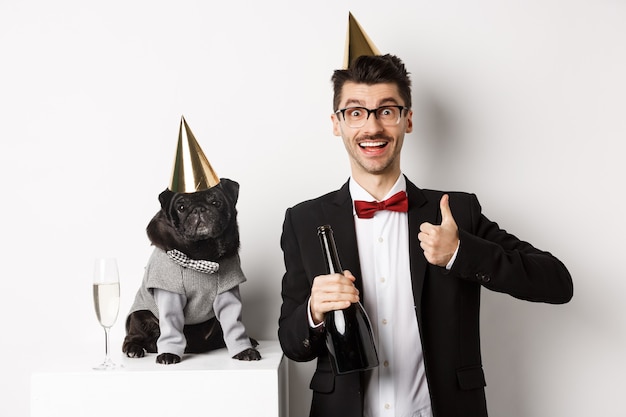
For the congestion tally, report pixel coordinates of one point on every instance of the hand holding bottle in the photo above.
(349, 337)
(332, 292)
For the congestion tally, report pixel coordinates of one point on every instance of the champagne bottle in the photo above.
(348, 332)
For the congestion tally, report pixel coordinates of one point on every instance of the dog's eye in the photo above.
(180, 208)
(217, 203)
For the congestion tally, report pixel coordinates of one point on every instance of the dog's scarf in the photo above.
(207, 267)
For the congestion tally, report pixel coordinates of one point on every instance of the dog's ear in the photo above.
(231, 189)
(161, 232)
(165, 197)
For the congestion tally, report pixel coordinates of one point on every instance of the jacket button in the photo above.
(483, 277)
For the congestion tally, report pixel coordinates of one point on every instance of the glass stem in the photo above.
(106, 344)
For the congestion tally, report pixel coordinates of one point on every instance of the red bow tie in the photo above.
(366, 209)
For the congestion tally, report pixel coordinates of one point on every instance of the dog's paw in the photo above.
(167, 359)
(134, 351)
(249, 354)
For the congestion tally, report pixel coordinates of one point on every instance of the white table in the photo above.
(209, 384)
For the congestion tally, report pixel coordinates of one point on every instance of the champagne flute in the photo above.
(106, 298)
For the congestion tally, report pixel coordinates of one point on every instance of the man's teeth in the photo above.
(367, 144)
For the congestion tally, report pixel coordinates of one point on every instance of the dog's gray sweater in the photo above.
(179, 296)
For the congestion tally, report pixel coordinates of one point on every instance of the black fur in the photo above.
(202, 225)
(177, 224)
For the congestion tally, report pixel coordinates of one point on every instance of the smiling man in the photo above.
(373, 143)
(418, 270)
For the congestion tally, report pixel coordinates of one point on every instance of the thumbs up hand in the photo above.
(440, 242)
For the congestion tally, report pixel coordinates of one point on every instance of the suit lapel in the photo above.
(340, 210)
(420, 210)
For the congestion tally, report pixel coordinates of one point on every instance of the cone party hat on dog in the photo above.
(357, 43)
(192, 171)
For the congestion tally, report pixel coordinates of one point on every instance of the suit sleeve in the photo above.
(503, 263)
(298, 341)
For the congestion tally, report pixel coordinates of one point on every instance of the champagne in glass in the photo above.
(106, 298)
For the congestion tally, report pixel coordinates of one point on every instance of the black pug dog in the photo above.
(189, 301)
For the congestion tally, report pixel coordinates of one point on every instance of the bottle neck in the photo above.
(329, 250)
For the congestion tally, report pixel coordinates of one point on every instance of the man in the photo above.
(418, 273)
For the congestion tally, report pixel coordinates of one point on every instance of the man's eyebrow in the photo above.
(357, 102)
(387, 100)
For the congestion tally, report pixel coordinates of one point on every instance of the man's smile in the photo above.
(373, 144)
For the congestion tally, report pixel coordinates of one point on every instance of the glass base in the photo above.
(108, 365)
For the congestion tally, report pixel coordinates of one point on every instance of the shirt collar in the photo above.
(359, 193)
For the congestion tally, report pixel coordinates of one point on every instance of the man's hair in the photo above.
(370, 70)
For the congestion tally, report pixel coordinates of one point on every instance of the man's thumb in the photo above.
(446, 213)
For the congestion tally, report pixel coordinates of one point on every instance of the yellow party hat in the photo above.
(357, 43)
(192, 171)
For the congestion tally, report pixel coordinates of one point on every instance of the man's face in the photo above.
(374, 149)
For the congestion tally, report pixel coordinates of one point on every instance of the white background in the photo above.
(520, 102)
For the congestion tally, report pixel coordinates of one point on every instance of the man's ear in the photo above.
(336, 124)
(409, 121)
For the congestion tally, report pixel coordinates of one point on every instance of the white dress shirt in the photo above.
(398, 387)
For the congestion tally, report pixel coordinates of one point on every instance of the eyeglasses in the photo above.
(356, 117)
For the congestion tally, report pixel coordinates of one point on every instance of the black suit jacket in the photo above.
(447, 303)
